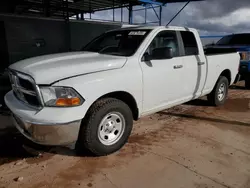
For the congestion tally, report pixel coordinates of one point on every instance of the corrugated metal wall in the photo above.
(23, 37)
(83, 32)
(29, 37)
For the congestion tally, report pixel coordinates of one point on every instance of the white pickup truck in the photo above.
(91, 97)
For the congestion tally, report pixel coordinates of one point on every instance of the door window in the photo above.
(165, 39)
(189, 42)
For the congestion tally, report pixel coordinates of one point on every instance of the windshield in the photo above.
(121, 42)
(238, 39)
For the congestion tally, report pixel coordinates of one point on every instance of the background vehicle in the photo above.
(241, 44)
(92, 97)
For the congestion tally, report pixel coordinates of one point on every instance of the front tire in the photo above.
(219, 94)
(106, 127)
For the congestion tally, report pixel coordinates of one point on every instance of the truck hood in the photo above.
(51, 68)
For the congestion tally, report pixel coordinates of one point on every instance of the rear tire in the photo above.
(219, 94)
(106, 127)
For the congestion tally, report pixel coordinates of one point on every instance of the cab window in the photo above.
(189, 42)
(165, 39)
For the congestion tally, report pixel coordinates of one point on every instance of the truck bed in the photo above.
(216, 51)
(216, 64)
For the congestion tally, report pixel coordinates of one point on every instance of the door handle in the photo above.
(178, 66)
(201, 63)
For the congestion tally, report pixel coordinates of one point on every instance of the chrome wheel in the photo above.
(222, 92)
(111, 128)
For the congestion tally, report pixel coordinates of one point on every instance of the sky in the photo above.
(210, 17)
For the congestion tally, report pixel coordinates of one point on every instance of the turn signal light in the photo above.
(68, 102)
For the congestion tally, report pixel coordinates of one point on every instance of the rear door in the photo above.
(194, 66)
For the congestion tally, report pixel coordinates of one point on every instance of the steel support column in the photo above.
(121, 11)
(82, 13)
(67, 10)
(160, 15)
(68, 33)
(46, 8)
(122, 14)
(130, 14)
(113, 10)
(82, 16)
(90, 9)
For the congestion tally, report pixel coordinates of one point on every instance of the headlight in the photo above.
(60, 97)
(245, 56)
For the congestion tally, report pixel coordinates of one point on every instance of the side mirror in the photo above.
(162, 53)
(147, 57)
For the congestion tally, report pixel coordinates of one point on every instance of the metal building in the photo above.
(67, 8)
(36, 27)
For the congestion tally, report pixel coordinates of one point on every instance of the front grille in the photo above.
(26, 84)
(32, 100)
(24, 89)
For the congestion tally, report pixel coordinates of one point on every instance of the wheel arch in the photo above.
(227, 74)
(126, 98)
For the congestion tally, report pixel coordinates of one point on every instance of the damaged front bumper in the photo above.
(48, 126)
(48, 134)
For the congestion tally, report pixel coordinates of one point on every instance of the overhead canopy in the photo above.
(61, 8)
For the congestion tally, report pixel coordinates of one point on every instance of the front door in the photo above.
(162, 77)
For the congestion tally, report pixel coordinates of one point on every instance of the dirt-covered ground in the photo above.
(189, 146)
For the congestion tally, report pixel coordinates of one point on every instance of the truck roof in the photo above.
(132, 27)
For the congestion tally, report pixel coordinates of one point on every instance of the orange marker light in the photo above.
(68, 102)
